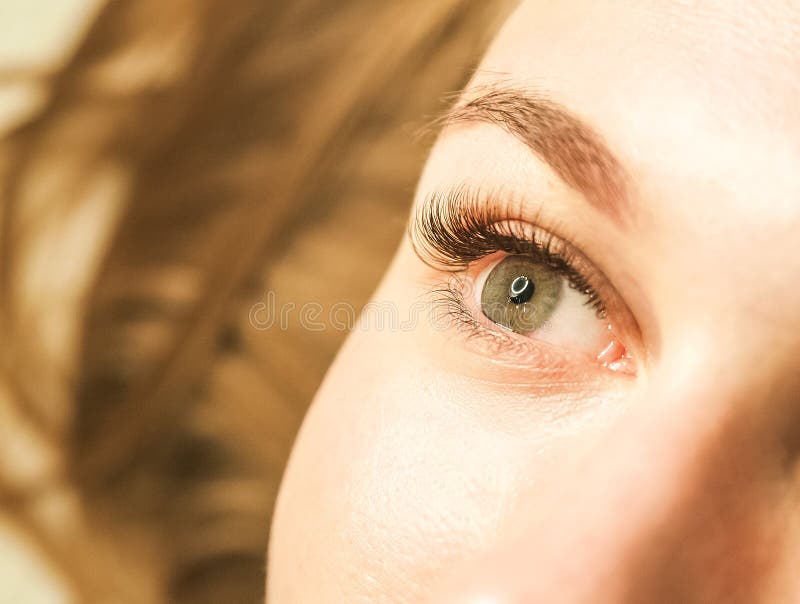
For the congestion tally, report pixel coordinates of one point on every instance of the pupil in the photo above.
(521, 290)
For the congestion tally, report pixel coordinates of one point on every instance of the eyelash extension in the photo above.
(454, 228)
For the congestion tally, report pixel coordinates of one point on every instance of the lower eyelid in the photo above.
(537, 367)
(498, 348)
(479, 335)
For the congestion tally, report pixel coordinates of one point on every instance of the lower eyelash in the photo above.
(450, 311)
(449, 305)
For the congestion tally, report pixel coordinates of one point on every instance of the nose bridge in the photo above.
(701, 515)
(706, 531)
(673, 503)
(676, 504)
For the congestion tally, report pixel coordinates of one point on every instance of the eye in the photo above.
(521, 291)
(527, 296)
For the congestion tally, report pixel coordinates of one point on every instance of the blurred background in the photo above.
(165, 169)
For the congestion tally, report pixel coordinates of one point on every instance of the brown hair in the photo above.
(190, 157)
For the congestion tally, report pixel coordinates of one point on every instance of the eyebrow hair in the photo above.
(573, 149)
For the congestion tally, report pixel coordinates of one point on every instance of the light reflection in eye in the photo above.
(526, 296)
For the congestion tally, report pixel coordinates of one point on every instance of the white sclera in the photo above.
(573, 324)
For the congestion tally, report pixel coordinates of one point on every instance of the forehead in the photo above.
(699, 103)
(717, 47)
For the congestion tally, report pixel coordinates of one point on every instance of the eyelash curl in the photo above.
(455, 228)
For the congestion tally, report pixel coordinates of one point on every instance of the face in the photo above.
(592, 392)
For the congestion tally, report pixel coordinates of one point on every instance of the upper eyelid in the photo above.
(574, 150)
(454, 228)
(450, 229)
(444, 220)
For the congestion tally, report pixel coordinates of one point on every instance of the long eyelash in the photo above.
(455, 228)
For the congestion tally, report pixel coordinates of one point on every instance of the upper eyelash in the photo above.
(454, 228)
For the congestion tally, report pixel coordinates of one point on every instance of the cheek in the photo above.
(410, 462)
(392, 480)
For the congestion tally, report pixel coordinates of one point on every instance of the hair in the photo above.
(186, 159)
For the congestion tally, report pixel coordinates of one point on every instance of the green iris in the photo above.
(521, 294)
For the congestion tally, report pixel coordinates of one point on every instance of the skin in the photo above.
(434, 469)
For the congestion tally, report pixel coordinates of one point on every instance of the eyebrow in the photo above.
(573, 149)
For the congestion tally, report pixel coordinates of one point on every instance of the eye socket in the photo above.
(527, 296)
